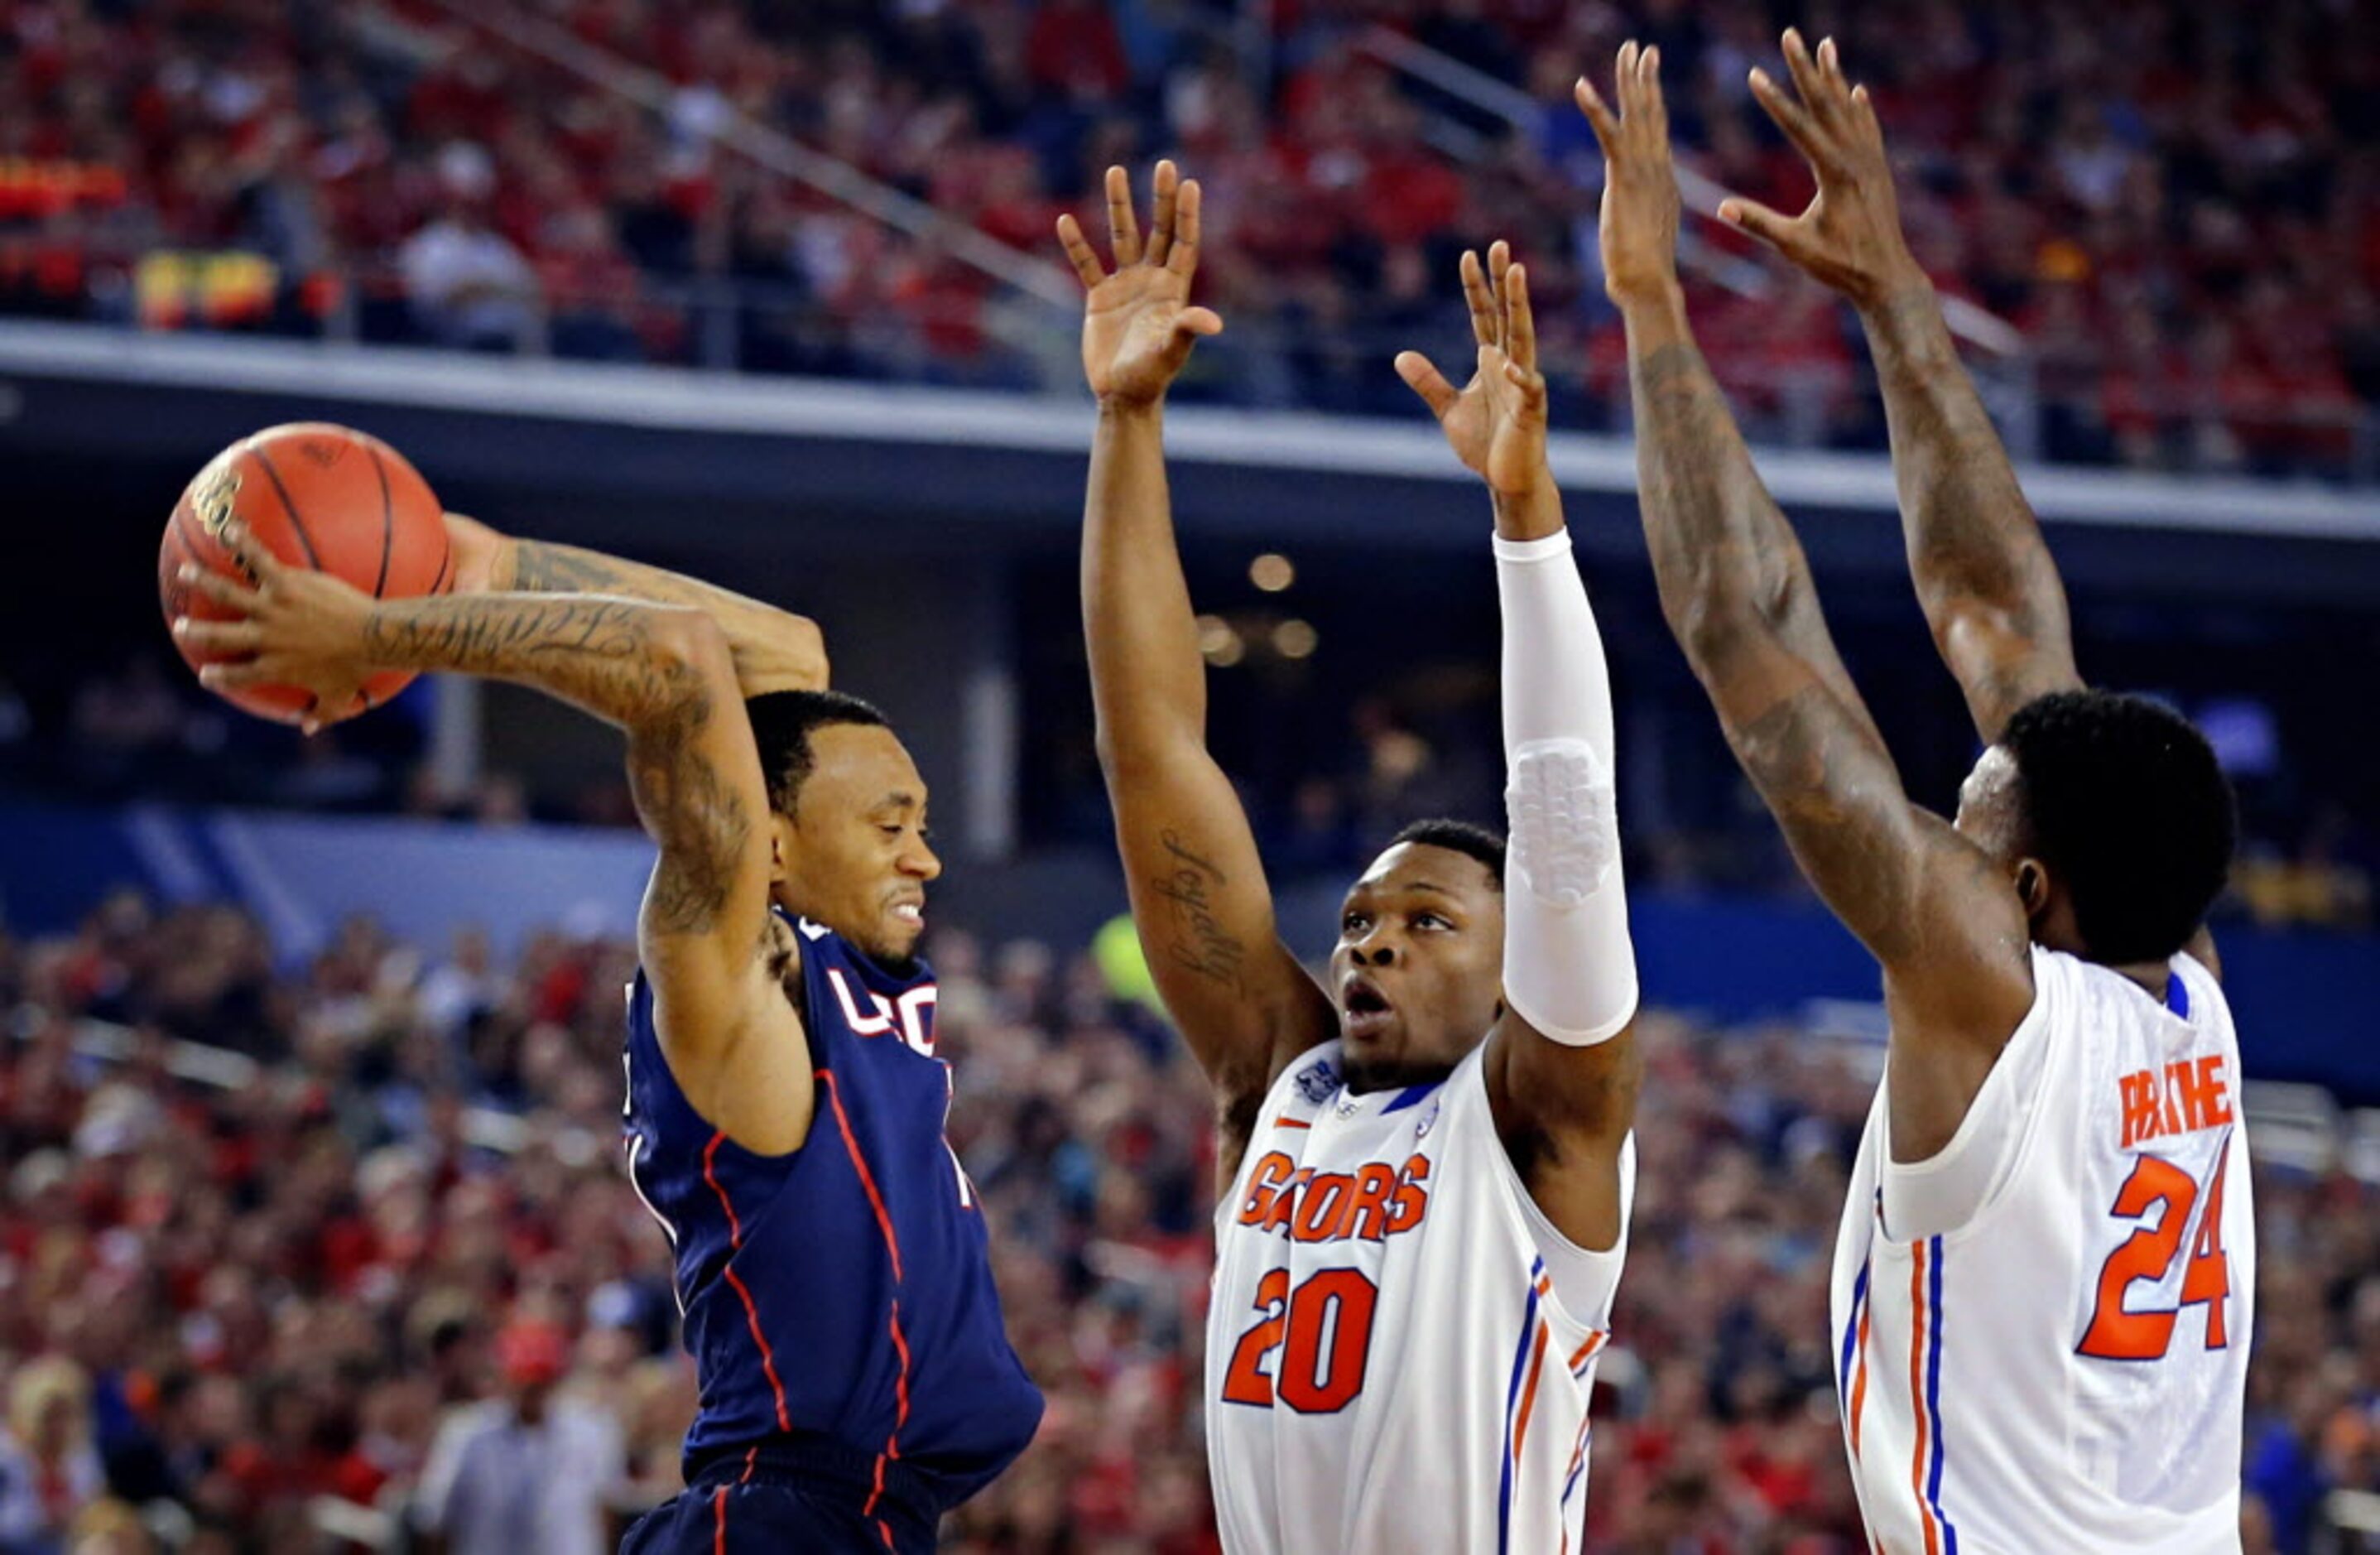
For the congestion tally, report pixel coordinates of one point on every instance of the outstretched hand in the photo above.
(1138, 325)
(1849, 236)
(297, 627)
(1640, 180)
(1496, 423)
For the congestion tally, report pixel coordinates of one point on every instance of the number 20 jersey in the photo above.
(2065, 1368)
(1402, 1345)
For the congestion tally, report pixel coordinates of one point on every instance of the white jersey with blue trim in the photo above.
(2042, 1332)
(1402, 1345)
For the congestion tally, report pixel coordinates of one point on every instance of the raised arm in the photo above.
(1989, 588)
(1738, 595)
(1562, 1067)
(660, 672)
(1199, 899)
(774, 650)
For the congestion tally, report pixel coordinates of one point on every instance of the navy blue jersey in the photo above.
(844, 1289)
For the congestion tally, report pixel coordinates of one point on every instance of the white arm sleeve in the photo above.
(1569, 969)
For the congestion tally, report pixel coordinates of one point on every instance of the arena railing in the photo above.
(357, 379)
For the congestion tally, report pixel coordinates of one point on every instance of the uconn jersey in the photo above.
(843, 1290)
(2042, 1332)
(1402, 1345)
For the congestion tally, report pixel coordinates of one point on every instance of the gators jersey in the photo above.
(2054, 1356)
(1402, 1345)
(843, 1289)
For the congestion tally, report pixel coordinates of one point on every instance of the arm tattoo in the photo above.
(1972, 540)
(541, 568)
(1737, 592)
(693, 812)
(1711, 525)
(601, 655)
(1199, 941)
(1828, 782)
(596, 654)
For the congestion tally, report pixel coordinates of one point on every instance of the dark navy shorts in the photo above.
(790, 1495)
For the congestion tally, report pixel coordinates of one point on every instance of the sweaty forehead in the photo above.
(1428, 869)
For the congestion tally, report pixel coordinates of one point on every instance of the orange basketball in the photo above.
(316, 495)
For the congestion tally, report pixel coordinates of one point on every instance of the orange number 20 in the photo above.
(1327, 1324)
(2117, 1334)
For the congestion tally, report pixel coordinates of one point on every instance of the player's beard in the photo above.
(898, 963)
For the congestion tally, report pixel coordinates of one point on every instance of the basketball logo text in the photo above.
(1372, 1203)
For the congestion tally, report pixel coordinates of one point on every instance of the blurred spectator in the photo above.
(2141, 169)
(526, 1470)
(50, 1471)
(468, 285)
(275, 1291)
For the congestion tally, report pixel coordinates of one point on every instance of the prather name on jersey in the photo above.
(2183, 1096)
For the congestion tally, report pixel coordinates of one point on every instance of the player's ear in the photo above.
(781, 848)
(2032, 888)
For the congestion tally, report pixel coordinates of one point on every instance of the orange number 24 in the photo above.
(2117, 1334)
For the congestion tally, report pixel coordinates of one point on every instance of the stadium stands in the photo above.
(260, 1231)
(2178, 207)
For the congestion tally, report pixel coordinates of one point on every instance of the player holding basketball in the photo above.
(785, 1109)
(1427, 1165)
(2044, 1280)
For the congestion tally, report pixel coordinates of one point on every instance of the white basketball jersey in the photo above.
(2042, 1334)
(1402, 1345)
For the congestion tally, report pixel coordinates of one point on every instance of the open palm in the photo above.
(1496, 423)
(1138, 326)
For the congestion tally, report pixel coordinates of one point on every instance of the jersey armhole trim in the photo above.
(779, 1159)
(1562, 1257)
(2030, 1030)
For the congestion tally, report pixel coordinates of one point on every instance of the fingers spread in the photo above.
(218, 636)
(222, 590)
(1426, 381)
(1830, 67)
(1480, 299)
(1167, 180)
(1863, 116)
(1650, 102)
(1752, 216)
(1123, 231)
(1078, 251)
(218, 677)
(260, 563)
(1789, 115)
(1182, 256)
(1600, 117)
(1804, 69)
(1520, 325)
(1499, 264)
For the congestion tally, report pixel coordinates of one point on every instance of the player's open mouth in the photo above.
(1365, 1011)
(910, 913)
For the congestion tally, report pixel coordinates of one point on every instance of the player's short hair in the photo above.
(2126, 803)
(1462, 836)
(782, 724)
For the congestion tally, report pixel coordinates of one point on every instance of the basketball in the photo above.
(316, 495)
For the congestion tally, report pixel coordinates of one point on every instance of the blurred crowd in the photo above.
(362, 1271)
(2178, 205)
